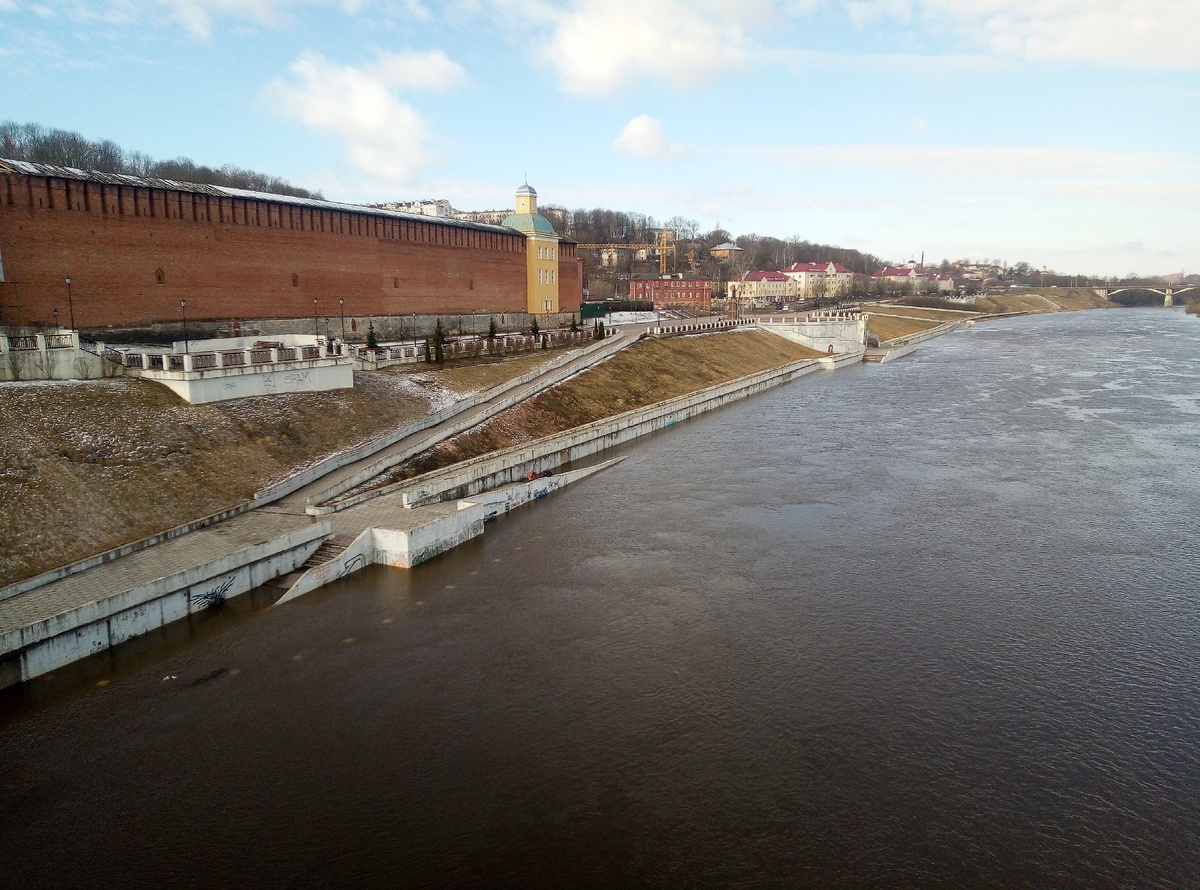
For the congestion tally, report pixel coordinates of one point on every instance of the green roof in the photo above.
(529, 223)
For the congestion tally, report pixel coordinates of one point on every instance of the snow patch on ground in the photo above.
(34, 384)
(631, 317)
(425, 386)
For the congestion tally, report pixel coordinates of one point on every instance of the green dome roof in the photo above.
(529, 223)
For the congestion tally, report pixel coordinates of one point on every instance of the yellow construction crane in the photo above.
(664, 243)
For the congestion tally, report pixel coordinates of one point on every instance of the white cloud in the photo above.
(644, 139)
(384, 136)
(432, 70)
(597, 47)
(1113, 33)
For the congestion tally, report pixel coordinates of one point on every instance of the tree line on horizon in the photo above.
(37, 144)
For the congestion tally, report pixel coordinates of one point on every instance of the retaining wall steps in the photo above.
(330, 549)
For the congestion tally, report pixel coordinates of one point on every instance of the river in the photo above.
(929, 623)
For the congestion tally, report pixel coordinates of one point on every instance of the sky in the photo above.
(1062, 133)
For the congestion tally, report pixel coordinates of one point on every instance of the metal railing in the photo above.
(260, 356)
(175, 362)
(285, 354)
(204, 360)
(60, 341)
(233, 359)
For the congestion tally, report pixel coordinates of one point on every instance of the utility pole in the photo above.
(183, 308)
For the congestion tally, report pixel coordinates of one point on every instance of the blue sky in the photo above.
(1064, 133)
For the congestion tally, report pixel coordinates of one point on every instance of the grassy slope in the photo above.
(641, 375)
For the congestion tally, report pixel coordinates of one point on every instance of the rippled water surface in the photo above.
(931, 623)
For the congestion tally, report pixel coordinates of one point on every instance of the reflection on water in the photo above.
(926, 623)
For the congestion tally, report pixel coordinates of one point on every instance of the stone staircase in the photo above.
(331, 548)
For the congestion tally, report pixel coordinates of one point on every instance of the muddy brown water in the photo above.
(930, 623)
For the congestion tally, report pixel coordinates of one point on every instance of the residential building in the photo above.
(819, 279)
(761, 287)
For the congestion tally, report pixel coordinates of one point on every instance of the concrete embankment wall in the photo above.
(91, 562)
(551, 376)
(834, 331)
(922, 336)
(599, 350)
(39, 648)
(405, 548)
(468, 478)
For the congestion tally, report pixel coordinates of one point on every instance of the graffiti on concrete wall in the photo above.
(214, 596)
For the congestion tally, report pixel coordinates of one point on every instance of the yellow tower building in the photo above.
(541, 252)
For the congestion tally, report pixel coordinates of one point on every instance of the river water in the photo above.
(930, 623)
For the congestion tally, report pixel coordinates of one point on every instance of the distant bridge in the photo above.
(1167, 293)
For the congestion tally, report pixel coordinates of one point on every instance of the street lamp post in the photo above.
(70, 302)
(342, 309)
(316, 332)
(183, 309)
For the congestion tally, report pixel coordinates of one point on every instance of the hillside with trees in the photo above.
(63, 148)
(692, 248)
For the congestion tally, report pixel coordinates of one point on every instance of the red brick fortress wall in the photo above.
(134, 252)
(570, 278)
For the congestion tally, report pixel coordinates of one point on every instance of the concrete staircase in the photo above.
(331, 548)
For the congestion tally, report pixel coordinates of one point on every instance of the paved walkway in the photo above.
(168, 558)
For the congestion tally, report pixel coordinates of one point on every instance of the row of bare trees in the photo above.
(63, 148)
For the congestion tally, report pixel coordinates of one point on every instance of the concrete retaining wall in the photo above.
(222, 384)
(922, 336)
(42, 647)
(466, 479)
(833, 332)
(600, 350)
(898, 352)
(117, 552)
(360, 554)
(405, 548)
(57, 355)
